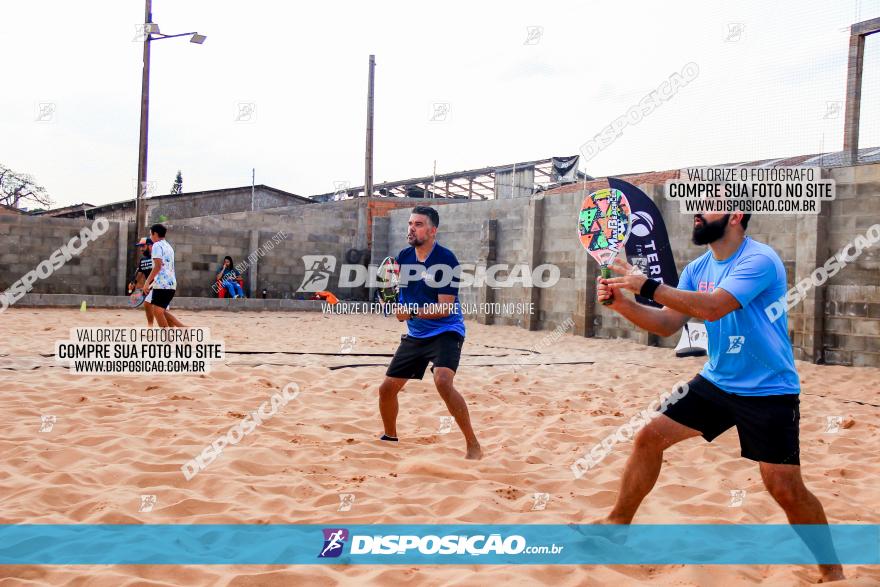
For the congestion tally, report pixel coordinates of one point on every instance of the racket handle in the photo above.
(605, 273)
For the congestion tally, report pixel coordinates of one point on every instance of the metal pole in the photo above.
(140, 204)
(513, 181)
(253, 181)
(368, 172)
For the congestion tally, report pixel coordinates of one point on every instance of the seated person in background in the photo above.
(228, 277)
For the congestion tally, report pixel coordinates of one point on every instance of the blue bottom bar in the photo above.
(382, 544)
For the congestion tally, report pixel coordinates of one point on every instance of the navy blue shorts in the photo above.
(768, 425)
(413, 355)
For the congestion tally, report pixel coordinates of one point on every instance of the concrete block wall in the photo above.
(198, 253)
(281, 217)
(322, 229)
(461, 226)
(188, 206)
(560, 246)
(852, 325)
(511, 248)
(856, 209)
(851, 309)
(838, 323)
(26, 241)
(330, 229)
(115, 215)
(282, 270)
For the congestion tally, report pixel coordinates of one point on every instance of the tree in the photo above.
(177, 188)
(16, 188)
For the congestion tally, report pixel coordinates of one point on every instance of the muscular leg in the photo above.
(456, 405)
(388, 406)
(159, 314)
(173, 321)
(785, 484)
(148, 310)
(643, 466)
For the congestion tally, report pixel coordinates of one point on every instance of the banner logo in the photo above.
(319, 268)
(334, 541)
(642, 224)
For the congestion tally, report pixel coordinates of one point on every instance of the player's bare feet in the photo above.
(829, 573)
(474, 452)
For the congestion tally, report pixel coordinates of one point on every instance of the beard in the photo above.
(414, 241)
(709, 232)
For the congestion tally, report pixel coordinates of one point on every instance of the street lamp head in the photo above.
(198, 39)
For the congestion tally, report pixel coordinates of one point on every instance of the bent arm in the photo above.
(157, 266)
(705, 306)
(661, 321)
(442, 309)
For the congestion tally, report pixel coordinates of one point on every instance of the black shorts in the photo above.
(767, 425)
(160, 297)
(414, 354)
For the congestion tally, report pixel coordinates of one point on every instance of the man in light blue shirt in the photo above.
(749, 381)
(749, 355)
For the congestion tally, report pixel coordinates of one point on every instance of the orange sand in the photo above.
(117, 438)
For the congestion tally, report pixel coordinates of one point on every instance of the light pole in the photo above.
(151, 33)
(368, 174)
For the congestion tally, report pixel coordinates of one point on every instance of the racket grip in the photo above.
(605, 273)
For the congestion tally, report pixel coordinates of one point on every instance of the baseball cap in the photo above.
(143, 242)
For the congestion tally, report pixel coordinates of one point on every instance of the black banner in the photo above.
(648, 245)
(565, 169)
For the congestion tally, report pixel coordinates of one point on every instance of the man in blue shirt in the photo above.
(429, 305)
(749, 381)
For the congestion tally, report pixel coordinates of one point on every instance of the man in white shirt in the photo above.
(162, 281)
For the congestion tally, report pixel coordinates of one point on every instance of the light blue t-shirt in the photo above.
(748, 354)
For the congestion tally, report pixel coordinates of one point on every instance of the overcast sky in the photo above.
(771, 78)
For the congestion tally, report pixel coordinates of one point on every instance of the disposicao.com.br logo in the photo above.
(450, 544)
(320, 268)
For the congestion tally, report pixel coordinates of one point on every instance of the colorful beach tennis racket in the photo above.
(136, 299)
(388, 277)
(603, 227)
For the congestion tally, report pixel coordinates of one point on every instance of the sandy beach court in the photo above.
(116, 438)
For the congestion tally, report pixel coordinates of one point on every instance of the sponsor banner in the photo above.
(648, 245)
(470, 544)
